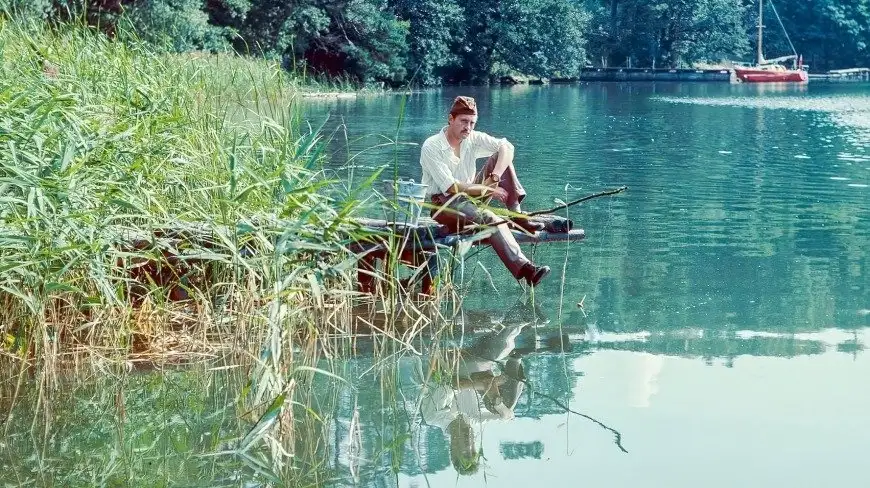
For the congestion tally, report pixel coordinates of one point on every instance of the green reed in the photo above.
(114, 158)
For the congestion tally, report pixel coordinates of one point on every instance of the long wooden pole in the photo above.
(579, 200)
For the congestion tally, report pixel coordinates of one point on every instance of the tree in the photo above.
(541, 37)
(829, 33)
(687, 30)
(668, 33)
(362, 39)
(436, 28)
(476, 48)
(536, 37)
(40, 9)
(179, 25)
(374, 41)
(720, 32)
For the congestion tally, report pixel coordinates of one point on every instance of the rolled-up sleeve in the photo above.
(433, 164)
(484, 144)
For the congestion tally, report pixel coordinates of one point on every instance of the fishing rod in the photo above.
(579, 200)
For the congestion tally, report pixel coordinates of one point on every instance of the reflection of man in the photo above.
(448, 159)
(456, 410)
(472, 392)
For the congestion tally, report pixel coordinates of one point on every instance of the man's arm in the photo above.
(489, 187)
(505, 158)
(431, 161)
(486, 146)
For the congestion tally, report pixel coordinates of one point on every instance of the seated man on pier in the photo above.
(460, 191)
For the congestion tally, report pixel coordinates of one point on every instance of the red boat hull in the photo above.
(756, 75)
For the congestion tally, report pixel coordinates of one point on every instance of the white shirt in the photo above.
(440, 404)
(441, 167)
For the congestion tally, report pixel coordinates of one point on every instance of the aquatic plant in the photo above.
(161, 208)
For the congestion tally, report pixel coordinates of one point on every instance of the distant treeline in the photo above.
(428, 42)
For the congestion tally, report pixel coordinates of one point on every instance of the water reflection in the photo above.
(500, 392)
(120, 429)
(481, 399)
(465, 388)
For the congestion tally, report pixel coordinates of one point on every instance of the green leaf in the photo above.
(266, 421)
(53, 286)
(323, 372)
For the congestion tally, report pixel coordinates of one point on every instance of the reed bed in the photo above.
(161, 209)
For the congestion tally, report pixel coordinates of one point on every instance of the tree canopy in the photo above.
(429, 42)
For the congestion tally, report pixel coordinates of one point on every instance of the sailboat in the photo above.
(770, 70)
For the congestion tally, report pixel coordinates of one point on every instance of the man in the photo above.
(448, 159)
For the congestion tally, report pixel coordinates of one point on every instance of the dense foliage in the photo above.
(667, 33)
(427, 42)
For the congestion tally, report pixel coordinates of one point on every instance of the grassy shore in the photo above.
(106, 143)
(103, 141)
(110, 148)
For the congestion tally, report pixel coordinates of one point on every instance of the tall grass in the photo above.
(116, 160)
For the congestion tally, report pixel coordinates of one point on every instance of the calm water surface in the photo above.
(725, 302)
(725, 295)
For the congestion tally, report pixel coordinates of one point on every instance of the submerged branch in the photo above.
(617, 436)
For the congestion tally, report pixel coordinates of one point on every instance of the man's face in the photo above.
(460, 126)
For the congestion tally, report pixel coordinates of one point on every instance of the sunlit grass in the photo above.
(107, 145)
(159, 209)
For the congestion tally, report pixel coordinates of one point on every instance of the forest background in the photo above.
(432, 42)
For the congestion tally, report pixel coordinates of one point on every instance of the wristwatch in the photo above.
(494, 177)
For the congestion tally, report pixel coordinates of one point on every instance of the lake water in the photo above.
(726, 295)
(716, 316)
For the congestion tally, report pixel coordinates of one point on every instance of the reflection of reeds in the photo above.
(162, 209)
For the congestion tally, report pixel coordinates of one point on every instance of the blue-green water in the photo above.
(725, 311)
(725, 295)
(747, 208)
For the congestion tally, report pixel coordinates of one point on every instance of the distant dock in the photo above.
(725, 75)
(655, 74)
(840, 75)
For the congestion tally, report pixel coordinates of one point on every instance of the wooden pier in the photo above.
(170, 257)
(656, 74)
(418, 245)
(725, 75)
(842, 75)
(631, 74)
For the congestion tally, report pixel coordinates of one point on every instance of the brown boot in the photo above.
(533, 274)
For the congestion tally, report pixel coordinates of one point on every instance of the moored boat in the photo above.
(770, 70)
(771, 73)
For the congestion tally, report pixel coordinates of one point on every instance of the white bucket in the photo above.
(408, 197)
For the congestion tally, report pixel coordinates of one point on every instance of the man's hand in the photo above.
(479, 190)
(498, 193)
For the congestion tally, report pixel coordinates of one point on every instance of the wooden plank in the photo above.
(429, 235)
(849, 70)
(544, 236)
(552, 223)
(521, 237)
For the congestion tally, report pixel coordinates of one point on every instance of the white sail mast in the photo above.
(760, 30)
